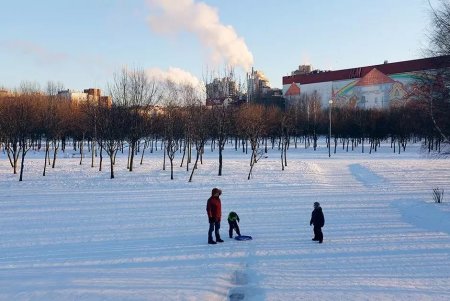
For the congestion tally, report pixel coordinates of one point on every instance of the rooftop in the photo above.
(359, 72)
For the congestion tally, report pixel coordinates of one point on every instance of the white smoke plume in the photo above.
(172, 16)
(175, 75)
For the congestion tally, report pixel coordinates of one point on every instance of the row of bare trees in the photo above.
(45, 121)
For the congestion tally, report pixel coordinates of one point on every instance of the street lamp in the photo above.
(330, 102)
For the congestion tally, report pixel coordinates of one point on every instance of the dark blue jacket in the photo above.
(317, 218)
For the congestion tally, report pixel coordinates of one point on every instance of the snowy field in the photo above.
(75, 234)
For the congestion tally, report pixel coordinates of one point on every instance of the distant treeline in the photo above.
(46, 123)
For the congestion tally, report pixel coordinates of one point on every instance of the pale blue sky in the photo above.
(82, 43)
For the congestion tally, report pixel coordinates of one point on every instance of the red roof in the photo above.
(387, 69)
(374, 77)
(293, 90)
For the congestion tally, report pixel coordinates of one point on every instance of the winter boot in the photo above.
(218, 239)
(210, 240)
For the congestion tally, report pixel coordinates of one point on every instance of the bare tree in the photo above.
(21, 123)
(201, 132)
(250, 123)
(10, 130)
(440, 32)
(135, 91)
(438, 85)
(52, 117)
(27, 108)
(224, 87)
(172, 122)
(314, 110)
(110, 131)
(192, 103)
(285, 124)
(173, 132)
(222, 124)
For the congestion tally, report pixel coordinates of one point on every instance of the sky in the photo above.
(82, 43)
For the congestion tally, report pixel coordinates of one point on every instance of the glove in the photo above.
(238, 220)
(212, 220)
(310, 224)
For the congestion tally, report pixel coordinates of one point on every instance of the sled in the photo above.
(243, 237)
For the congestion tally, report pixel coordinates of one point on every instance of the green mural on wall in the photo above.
(376, 89)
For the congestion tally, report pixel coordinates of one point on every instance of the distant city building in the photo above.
(4, 93)
(91, 94)
(302, 69)
(257, 85)
(96, 95)
(222, 91)
(74, 96)
(377, 86)
(221, 87)
(260, 92)
(18, 93)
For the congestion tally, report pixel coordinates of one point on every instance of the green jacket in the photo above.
(233, 216)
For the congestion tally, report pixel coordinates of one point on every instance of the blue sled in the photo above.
(243, 237)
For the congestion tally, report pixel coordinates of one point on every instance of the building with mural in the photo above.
(377, 86)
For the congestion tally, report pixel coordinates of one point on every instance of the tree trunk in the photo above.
(285, 152)
(81, 150)
(133, 147)
(101, 158)
(335, 144)
(199, 151)
(115, 154)
(143, 151)
(56, 146)
(184, 154)
(220, 157)
(47, 148)
(252, 163)
(111, 159)
(164, 159)
(92, 150)
(282, 153)
(24, 152)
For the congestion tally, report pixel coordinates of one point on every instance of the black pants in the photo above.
(214, 226)
(318, 233)
(233, 225)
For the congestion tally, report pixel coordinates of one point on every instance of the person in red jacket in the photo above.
(214, 210)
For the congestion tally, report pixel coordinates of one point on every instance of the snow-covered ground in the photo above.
(75, 234)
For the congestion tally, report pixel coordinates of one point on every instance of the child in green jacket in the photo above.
(233, 220)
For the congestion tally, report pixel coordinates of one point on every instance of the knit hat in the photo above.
(216, 190)
(316, 204)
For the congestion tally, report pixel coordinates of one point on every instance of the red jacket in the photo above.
(214, 208)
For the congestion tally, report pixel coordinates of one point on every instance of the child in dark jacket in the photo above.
(233, 220)
(318, 220)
